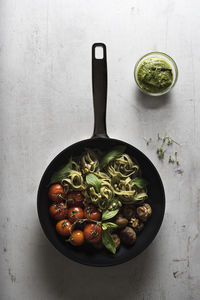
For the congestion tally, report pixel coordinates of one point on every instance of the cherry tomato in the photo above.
(63, 227)
(56, 192)
(75, 213)
(74, 199)
(58, 211)
(92, 212)
(92, 232)
(77, 238)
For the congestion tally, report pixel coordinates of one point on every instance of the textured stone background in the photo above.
(46, 105)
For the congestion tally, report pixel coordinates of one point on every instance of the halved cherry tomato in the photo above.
(92, 232)
(63, 227)
(77, 238)
(75, 213)
(92, 212)
(74, 199)
(56, 192)
(58, 211)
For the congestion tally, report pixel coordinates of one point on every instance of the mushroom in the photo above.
(136, 224)
(144, 212)
(128, 212)
(128, 236)
(121, 222)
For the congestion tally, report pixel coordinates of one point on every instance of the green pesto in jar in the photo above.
(154, 75)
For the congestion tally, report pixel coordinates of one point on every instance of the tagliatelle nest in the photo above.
(115, 180)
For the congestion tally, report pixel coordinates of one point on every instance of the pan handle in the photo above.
(99, 85)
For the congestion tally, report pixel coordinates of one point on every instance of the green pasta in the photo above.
(89, 162)
(117, 179)
(74, 180)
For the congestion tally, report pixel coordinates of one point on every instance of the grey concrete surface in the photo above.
(46, 104)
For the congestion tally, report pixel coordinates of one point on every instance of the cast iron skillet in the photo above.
(88, 255)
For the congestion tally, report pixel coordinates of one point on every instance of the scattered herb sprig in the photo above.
(162, 148)
(161, 152)
(174, 159)
(167, 138)
(148, 141)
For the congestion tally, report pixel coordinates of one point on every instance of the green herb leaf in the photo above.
(108, 225)
(109, 214)
(62, 173)
(111, 155)
(140, 182)
(108, 241)
(94, 181)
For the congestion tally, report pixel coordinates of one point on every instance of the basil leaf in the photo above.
(94, 181)
(111, 155)
(108, 241)
(108, 225)
(109, 214)
(62, 173)
(140, 182)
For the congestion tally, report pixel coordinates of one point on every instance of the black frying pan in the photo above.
(100, 139)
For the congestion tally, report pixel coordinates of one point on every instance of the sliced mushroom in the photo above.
(144, 212)
(136, 224)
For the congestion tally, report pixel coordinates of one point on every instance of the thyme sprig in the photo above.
(148, 141)
(160, 152)
(171, 160)
(174, 159)
(165, 140)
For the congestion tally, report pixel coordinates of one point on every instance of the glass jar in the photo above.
(155, 73)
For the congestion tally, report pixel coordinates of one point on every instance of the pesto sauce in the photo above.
(154, 75)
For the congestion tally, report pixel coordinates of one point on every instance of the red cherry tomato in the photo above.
(58, 211)
(77, 238)
(74, 199)
(92, 233)
(56, 192)
(63, 227)
(92, 212)
(75, 213)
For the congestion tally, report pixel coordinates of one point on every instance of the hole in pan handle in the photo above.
(99, 86)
